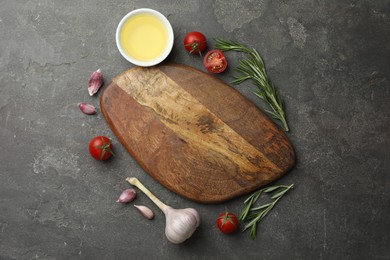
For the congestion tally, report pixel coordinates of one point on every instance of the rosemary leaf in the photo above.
(252, 67)
(240, 80)
(272, 188)
(251, 216)
(279, 194)
(261, 95)
(253, 231)
(261, 207)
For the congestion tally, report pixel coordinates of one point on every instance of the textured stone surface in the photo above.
(330, 62)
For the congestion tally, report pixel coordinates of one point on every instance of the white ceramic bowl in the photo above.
(164, 22)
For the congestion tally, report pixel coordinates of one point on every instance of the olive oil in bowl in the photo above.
(144, 37)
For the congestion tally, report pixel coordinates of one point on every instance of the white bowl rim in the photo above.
(167, 25)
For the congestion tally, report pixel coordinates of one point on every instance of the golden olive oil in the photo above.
(144, 37)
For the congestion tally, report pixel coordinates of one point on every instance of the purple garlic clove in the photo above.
(127, 196)
(95, 82)
(87, 109)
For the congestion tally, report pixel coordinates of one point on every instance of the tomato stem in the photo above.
(195, 47)
(105, 147)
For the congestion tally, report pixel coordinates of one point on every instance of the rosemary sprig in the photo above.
(253, 68)
(253, 215)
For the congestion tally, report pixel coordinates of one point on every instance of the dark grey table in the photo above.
(330, 60)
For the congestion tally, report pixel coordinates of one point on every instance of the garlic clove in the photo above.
(194, 215)
(145, 211)
(95, 82)
(87, 109)
(127, 196)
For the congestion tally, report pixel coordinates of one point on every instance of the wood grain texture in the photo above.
(193, 133)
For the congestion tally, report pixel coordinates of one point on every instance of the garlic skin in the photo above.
(95, 82)
(180, 224)
(128, 195)
(145, 211)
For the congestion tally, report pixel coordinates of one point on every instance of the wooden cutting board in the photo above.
(194, 134)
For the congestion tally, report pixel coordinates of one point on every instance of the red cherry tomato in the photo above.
(227, 222)
(195, 42)
(215, 61)
(100, 148)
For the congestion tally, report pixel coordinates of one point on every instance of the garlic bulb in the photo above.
(180, 223)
